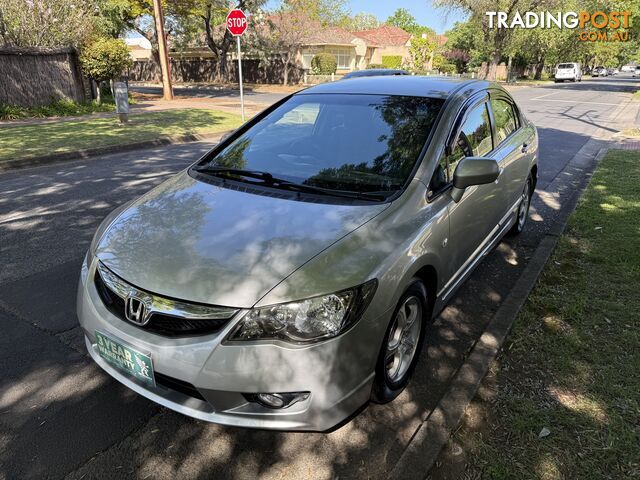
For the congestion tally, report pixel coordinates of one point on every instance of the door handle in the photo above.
(525, 147)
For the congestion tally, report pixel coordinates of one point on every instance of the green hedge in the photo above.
(324, 64)
(375, 65)
(392, 61)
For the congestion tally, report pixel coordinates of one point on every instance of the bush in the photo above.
(10, 112)
(105, 59)
(59, 108)
(375, 65)
(392, 61)
(324, 64)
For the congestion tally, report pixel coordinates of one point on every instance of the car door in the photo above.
(514, 147)
(474, 221)
(511, 146)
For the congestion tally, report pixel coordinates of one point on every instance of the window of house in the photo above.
(343, 56)
(306, 60)
(505, 118)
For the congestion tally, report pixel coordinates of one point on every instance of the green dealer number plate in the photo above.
(126, 359)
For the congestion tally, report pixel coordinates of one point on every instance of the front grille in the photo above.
(159, 323)
(178, 385)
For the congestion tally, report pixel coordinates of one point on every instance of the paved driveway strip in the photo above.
(47, 217)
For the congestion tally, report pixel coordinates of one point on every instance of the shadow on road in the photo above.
(599, 84)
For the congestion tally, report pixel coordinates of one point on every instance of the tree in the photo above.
(401, 18)
(422, 51)
(495, 39)
(284, 34)
(114, 17)
(45, 23)
(213, 13)
(327, 12)
(363, 21)
(105, 59)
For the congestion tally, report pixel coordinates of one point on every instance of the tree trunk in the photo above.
(285, 68)
(98, 95)
(492, 71)
(539, 69)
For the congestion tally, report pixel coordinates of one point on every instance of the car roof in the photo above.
(375, 71)
(408, 85)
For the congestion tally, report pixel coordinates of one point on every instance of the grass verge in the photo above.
(36, 140)
(562, 400)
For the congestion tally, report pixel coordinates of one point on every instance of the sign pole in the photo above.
(240, 78)
(237, 24)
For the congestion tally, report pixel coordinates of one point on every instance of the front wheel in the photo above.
(523, 209)
(402, 344)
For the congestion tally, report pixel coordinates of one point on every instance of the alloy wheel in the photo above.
(403, 339)
(524, 205)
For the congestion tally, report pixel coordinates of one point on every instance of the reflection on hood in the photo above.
(193, 241)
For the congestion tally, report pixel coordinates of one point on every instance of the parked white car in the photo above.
(599, 72)
(628, 68)
(636, 72)
(568, 71)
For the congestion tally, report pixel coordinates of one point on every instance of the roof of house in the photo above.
(330, 36)
(385, 35)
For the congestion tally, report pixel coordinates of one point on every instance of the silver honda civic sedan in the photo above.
(287, 277)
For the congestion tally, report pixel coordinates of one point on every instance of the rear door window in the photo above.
(505, 118)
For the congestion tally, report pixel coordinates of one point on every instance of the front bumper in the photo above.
(338, 373)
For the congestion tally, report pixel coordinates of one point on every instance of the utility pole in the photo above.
(167, 90)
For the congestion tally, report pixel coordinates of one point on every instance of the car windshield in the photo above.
(565, 65)
(357, 143)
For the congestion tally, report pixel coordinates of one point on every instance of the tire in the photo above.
(393, 370)
(523, 209)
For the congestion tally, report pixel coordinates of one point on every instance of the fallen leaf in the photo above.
(545, 432)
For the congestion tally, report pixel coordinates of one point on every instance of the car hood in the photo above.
(193, 241)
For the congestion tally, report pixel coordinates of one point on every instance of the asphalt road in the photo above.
(61, 416)
(231, 94)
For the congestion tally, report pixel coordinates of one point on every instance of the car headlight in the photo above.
(309, 320)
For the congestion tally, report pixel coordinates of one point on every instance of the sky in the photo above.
(424, 13)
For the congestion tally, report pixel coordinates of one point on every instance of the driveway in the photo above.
(61, 416)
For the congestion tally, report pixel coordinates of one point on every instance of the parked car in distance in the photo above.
(568, 71)
(288, 276)
(374, 72)
(611, 71)
(636, 71)
(599, 72)
(628, 68)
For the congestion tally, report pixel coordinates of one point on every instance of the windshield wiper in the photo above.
(271, 181)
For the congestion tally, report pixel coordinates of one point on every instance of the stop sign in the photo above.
(236, 22)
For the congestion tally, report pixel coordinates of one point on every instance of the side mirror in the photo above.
(473, 171)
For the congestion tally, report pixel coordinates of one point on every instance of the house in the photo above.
(357, 50)
(139, 48)
(388, 40)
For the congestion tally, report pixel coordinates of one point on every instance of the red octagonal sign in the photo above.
(236, 22)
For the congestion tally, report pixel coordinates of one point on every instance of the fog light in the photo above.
(271, 400)
(277, 400)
